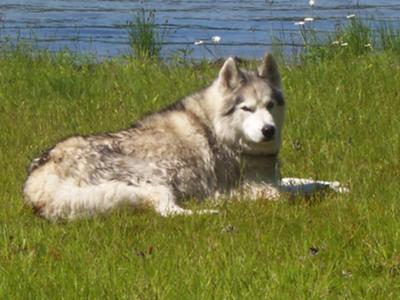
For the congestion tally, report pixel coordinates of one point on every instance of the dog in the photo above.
(220, 142)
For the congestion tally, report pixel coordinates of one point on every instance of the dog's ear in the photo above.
(230, 75)
(269, 70)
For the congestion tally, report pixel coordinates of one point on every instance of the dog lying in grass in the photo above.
(222, 141)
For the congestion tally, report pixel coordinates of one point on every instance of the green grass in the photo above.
(342, 124)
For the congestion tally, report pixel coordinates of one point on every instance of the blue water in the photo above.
(245, 27)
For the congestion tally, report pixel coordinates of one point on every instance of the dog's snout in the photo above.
(268, 132)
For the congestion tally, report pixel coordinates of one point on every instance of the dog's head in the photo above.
(250, 109)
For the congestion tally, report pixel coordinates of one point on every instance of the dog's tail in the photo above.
(55, 198)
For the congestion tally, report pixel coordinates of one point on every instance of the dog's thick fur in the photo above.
(221, 141)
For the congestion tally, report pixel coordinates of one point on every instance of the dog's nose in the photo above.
(268, 132)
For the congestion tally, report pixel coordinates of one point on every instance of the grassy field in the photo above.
(342, 124)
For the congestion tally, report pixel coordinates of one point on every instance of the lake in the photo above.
(245, 27)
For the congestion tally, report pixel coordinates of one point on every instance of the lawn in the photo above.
(342, 124)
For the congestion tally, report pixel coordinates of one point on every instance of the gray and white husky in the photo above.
(220, 142)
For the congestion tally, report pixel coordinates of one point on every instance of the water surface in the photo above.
(245, 27)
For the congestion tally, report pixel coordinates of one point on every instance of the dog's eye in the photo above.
(238, 100)
(245, 108)
(270, 105)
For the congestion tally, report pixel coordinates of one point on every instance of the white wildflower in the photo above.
(335, 43)
(350, 16)
(311, 2)
(299, 23)
(347, 274)
(216, 39)
(198, 42)
(344, 44)
(308, 19)
(368, 45)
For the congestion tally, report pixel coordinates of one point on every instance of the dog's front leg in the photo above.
(253, 190)
(307, 187)
(164, 202)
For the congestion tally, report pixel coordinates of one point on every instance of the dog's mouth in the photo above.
(268, 140)
(263, 142)
(263, 147)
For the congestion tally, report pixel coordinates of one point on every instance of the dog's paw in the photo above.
(186, 212)
(207, 212)
(338, 187)
(335, 186)
(302, 186)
